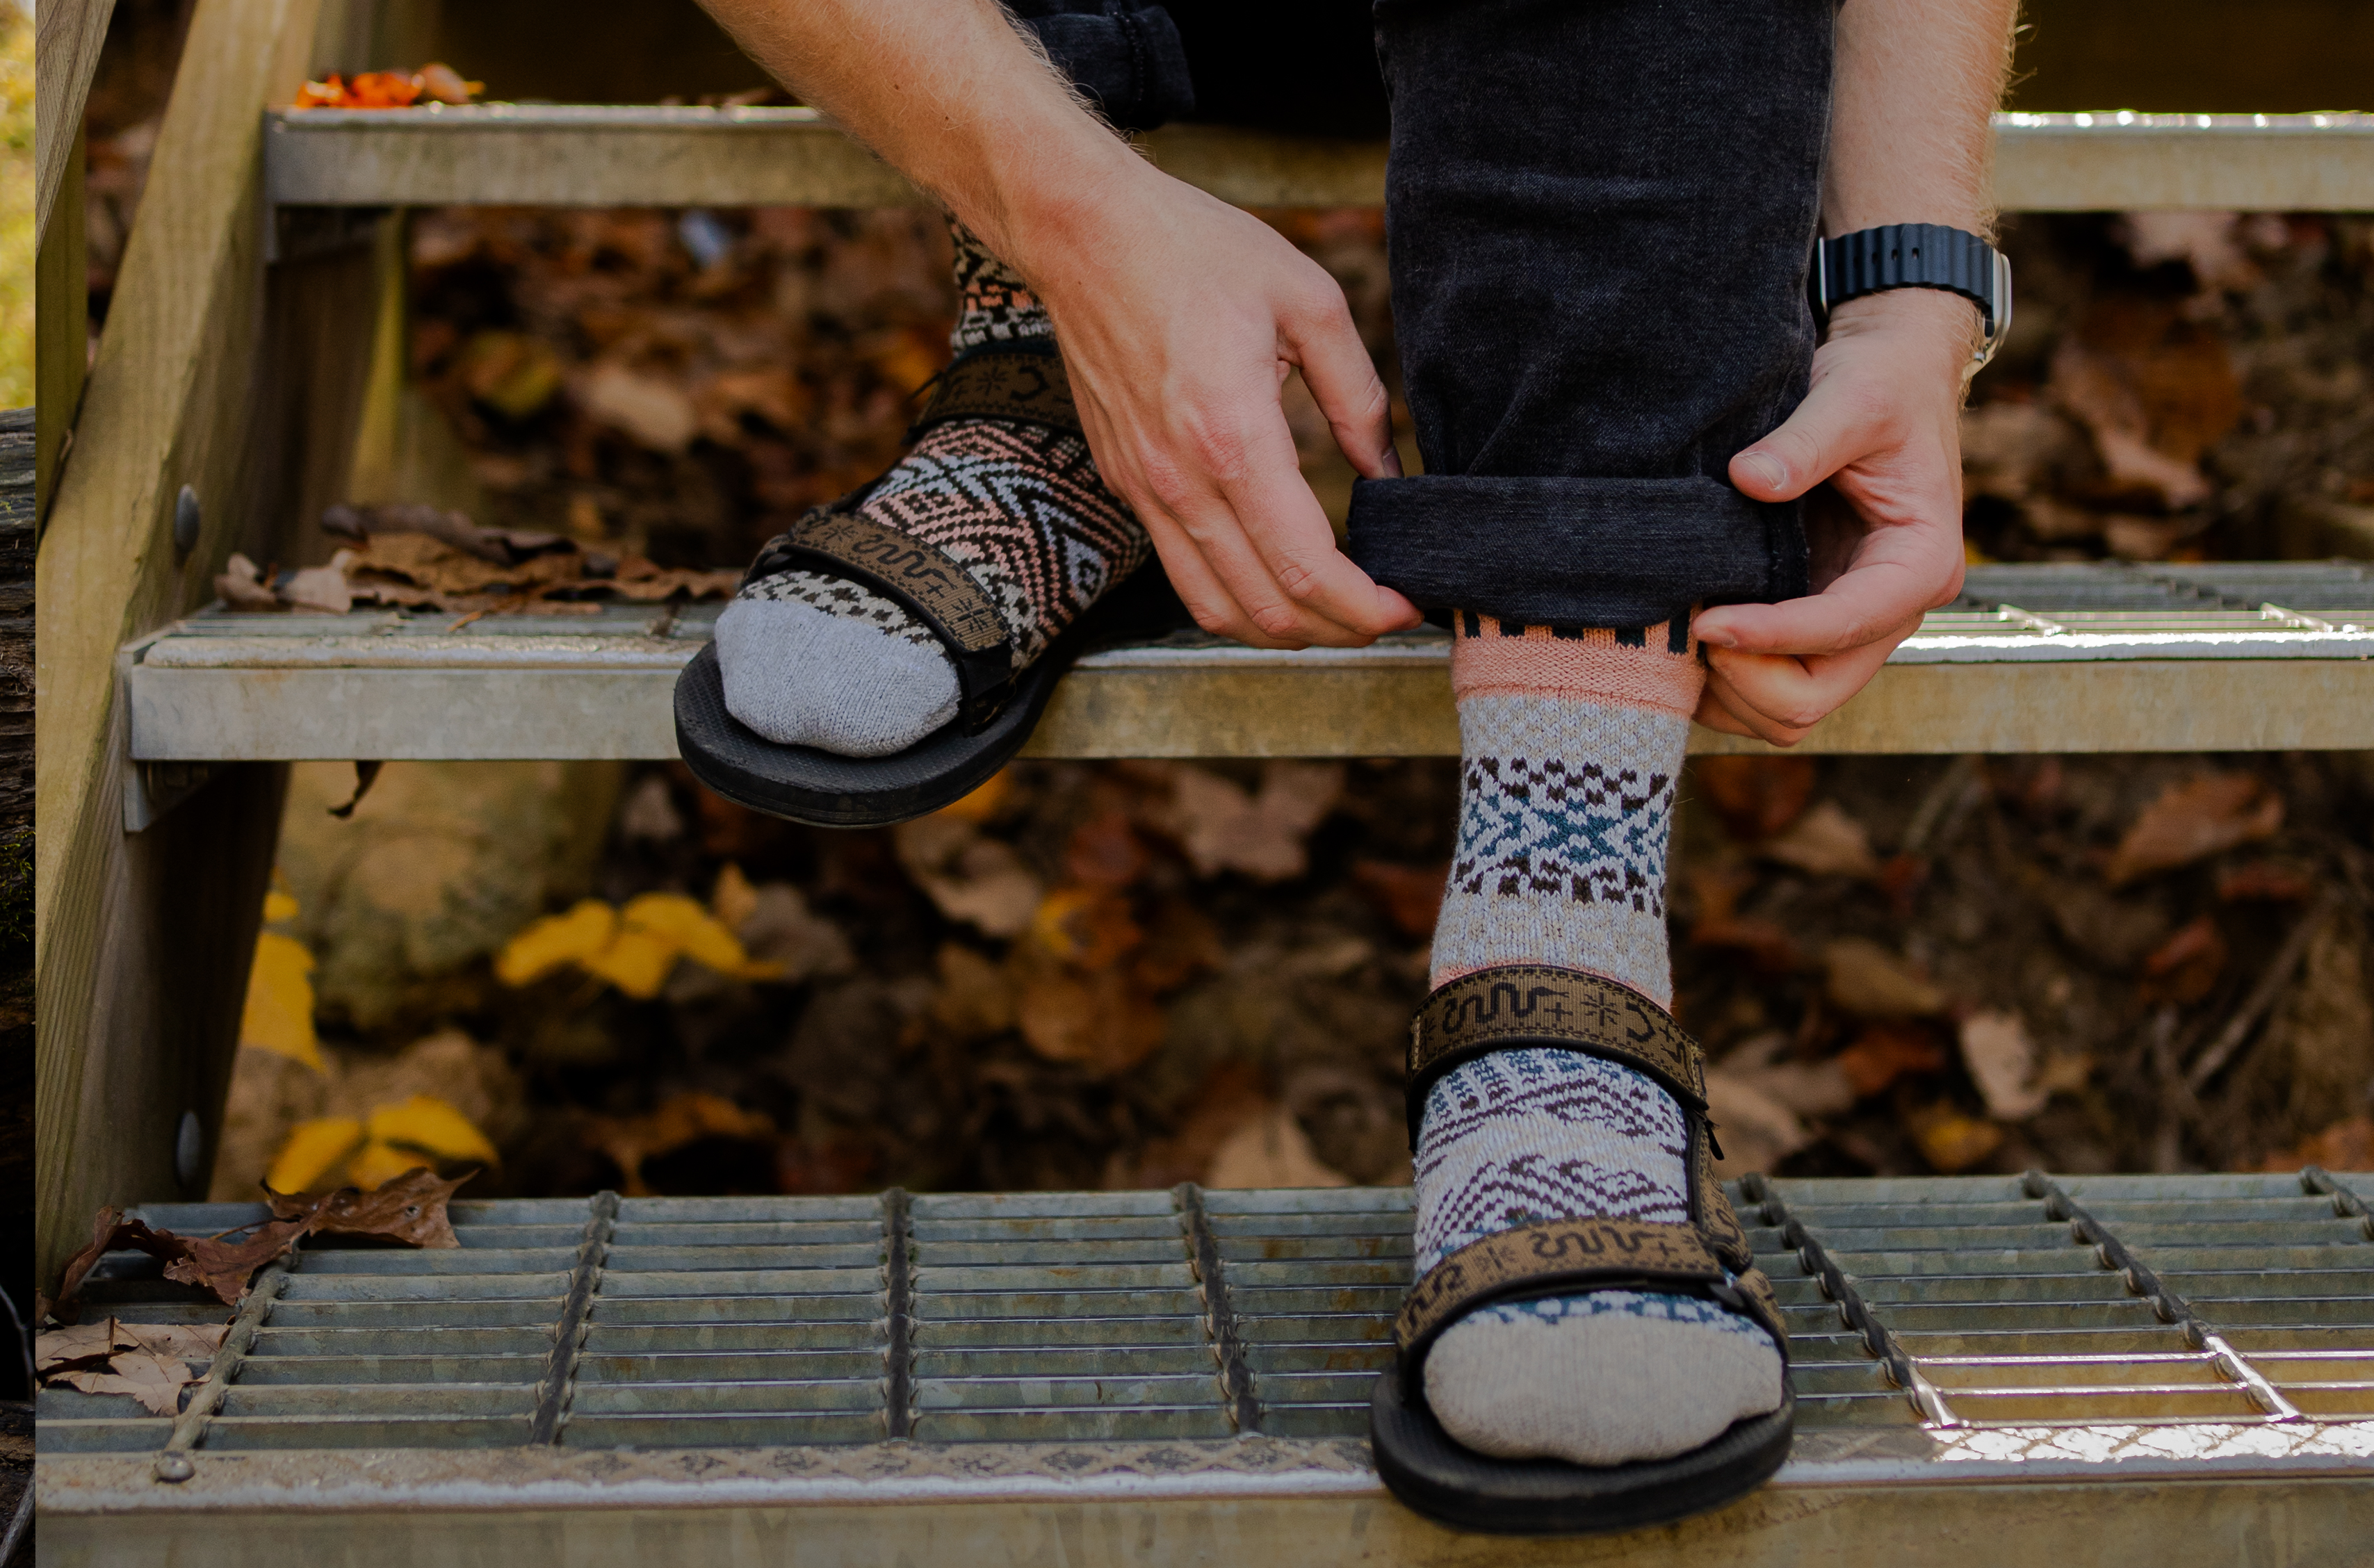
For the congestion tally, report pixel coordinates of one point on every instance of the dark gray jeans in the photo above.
(1599, 213)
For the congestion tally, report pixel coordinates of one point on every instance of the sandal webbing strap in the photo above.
(1550, 1258)
(1515, 1006)
(1019, 381)
(1572, 1257)
(921, 578)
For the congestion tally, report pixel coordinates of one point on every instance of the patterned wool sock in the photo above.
(1571, 747)
(811, 659)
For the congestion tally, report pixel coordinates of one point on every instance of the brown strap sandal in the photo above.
(998, 706)
(1538, 1007)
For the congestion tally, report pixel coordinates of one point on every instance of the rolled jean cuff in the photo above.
(1619, 553)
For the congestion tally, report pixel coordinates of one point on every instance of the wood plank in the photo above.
(142, 945)
(61, 334)
(67, 39)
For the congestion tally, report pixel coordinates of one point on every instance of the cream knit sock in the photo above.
(1571, 744)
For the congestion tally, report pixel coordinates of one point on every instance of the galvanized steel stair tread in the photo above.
(1074, 1318)
(222, 686)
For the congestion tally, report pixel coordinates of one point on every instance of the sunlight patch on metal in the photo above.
(1192, 1349)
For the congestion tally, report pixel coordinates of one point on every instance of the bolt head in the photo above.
(186, 519)
(189, 1148)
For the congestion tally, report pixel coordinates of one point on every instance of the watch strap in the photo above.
(1913, 255)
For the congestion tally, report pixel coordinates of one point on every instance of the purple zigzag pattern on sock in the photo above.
(1629, 1106)
(992, 305)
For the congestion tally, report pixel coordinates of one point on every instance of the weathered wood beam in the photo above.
(67, 39)
(142, 943)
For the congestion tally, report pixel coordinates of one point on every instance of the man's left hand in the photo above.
(1881, 423)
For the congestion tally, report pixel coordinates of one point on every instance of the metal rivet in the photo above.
(186, 518)
(189, 1147)
(174, 1466)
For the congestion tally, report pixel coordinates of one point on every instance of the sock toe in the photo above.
(1599, 1380)
(802, 677)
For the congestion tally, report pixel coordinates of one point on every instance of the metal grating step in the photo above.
(2103, 657)
(624, 155)
(1168, 1365)
(1150, 1315)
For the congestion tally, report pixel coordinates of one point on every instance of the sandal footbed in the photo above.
(1437, 1477)
(823, 790)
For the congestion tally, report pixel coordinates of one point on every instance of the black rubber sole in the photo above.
(1546, 1497)
(801, 784)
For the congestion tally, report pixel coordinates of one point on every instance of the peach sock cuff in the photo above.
(1535, 661)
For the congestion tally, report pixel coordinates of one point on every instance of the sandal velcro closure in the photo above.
(925, 580)
(1515, 1007)
(1022, 381)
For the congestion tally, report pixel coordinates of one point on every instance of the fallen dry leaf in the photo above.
(321, 588)
(225, 1267)
(1408, 896)
(1270, 1149)
(1100, 1021)
(1951, 1140)
(976, 995)
(2346, 1145)
(1087, 928)
(2002, 1062)
(412, 1209)
(2273, 882)
(973, 877)
(1871, 982)
(671, 1125)
(2096, 389)
(1223, 828)
(1756, 796)
(2185, 967)
(782, 932)
(241, 583)
(313, 1150)
(1885, 1052)
(155, 1381)
(733, 900)
(431, 1126)
(79, 1345)
(548, 943)
(649, 411)
(1825, 841)
(2193, 820)
(1105, 852)
(278, 1013)
(1756, 1130)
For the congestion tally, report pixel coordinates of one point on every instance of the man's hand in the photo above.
(1882, 425)
(1180, 317)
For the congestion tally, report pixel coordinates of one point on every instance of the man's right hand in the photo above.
(1178, 317)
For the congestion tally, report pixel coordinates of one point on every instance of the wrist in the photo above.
(1050, 196)
(1944, 323)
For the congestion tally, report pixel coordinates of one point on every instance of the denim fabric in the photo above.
(1125, 54)
(1600, 214)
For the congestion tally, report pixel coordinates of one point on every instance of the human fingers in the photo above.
(1883, 594)
(1237, 492)
(1842, 417)
(1779, 699)
(1317, 336)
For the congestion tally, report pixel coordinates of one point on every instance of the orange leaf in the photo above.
(2192, 821)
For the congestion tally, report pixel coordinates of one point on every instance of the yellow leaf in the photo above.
(695, 932)
(638, 962)
(379, 1163)
(546, 944)
(734, 900)
(279, 1012)
(278, 906)
(314, 1149)
(427, 1123)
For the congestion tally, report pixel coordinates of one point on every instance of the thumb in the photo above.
(1828, 430)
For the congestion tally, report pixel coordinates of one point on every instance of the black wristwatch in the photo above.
(1916, 255)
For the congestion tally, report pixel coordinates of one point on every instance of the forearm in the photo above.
(952, 97)
(1915, 82)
